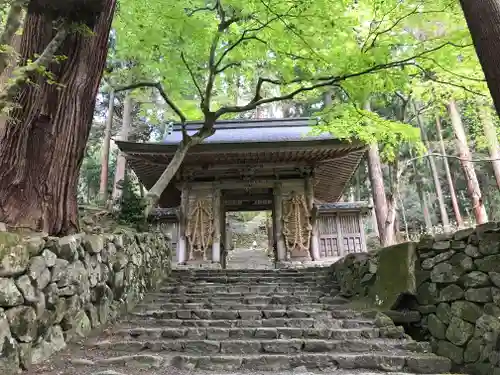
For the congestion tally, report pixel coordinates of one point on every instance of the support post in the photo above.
(340, 236)
(183, 213)
(217, 225)
(314, 243)
(278, 221)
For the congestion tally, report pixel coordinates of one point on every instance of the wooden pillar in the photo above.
(183, 213)
(340, 236)
(314, 243)
(217, 211)
(278, 222)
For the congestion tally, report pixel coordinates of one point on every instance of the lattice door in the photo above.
(351, 233)
(328, 236)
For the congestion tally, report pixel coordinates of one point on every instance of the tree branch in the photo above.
(319, 82)
(12, 24)
(162, 92)
(22, 74)
(191, 73)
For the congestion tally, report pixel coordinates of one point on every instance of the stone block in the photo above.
(395, 274)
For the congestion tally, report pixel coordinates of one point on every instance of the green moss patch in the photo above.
(395, 274)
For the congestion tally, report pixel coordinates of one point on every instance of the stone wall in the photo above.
(459, 296)
(53, 290)
(454, 284)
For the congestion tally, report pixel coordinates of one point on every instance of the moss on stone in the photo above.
(395, 274)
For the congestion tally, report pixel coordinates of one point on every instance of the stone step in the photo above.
(224, 314)
(227, 292)
(149, 363)
(250, 280)
(253, 346)
(255, 273)
(244, 288)
(232, 306)
(219, 333)
(304, 323)
(252, 300)
(420, 364)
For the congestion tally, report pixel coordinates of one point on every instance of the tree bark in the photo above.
(42, 147)
(467, 166)
(434, 172)
(378, 192)
(451, 184)
(103, 188)
(491, 135)
(423, 199)
(483, 19)
(121, 162)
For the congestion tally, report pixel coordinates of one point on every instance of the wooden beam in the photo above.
(238, 184)
(278, 210)
(340, 236)
(183, 213)
(313, 243)
(217, 211)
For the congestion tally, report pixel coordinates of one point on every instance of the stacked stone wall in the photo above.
(54, 290)
(458, 278)
(455, 283)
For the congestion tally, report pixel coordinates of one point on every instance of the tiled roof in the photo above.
(249, 131)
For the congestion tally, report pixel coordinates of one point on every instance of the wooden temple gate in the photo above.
(254, 166)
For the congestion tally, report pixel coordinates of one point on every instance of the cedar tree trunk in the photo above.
(42, 146)
(483, 19)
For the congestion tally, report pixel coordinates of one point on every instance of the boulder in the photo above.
(67, 248)
(427, 294)
(488, 263)
(14, 256)
(451, 293)
(459, 331)
(472, 251)
(448, 350)
(27, 289)
(93, 244)
(436, 327)
(9, 293)
(23, 323)
(50, 258)
(478, 295)
(475, 279)
(429, 263)
(443, 312)
(490, 243)
(466, 310)
(446, 273)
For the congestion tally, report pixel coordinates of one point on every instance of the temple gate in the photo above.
(253, 166)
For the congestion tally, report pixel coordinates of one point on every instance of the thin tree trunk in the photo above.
(42, 147)
(492, 139)
(121, 162)
(103, 188)
(384, 222)
(358, 184)
(434, 172)
(423, 199)
(451, 184)
(483, 19)
(378, 192)
(468, 167)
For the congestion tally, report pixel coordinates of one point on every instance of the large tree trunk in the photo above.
(103, 188)
(434, 172)
(491, 135)
(42, 147)
(467, 166)
(451, 184)
(483, 19)
(121, 162)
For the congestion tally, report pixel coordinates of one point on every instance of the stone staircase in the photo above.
(235, 321)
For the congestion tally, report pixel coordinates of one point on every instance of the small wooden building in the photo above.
(255, 165)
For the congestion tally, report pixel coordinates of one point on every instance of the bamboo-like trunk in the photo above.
(451, 184)
(433, 170)
(103, 188)
(473, 187)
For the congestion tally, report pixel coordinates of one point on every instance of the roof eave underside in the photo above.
(331, 176)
